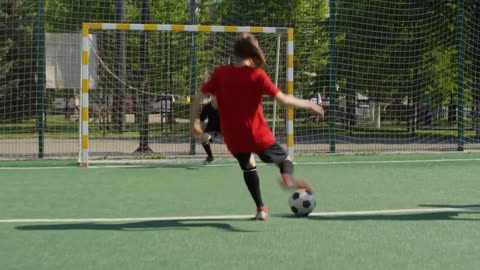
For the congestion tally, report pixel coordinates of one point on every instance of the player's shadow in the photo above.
(460, 206)
(433, 212)
(444, 212)
(136, 226)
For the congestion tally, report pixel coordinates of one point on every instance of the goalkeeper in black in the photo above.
(212, 129)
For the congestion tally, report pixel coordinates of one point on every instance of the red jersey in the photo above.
(239, 92)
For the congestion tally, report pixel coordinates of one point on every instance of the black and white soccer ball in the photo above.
(302, 202)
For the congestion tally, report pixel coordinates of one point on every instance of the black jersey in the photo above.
(210, 113)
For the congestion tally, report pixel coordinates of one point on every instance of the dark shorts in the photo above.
(215, 134)
(273, 154)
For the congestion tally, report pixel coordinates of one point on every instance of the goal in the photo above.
(137, 80)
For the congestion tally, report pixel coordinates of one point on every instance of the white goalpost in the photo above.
(145, 75)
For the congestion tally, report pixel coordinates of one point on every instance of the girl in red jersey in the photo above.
(239, 89)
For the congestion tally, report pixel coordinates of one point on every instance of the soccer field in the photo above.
(373, 212)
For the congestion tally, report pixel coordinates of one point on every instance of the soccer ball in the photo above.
(302, 202)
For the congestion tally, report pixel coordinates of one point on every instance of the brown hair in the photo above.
(247, 46)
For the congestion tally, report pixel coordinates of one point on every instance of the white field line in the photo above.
(389, 161)
(258, 164)
(243, 217)
(366, 162)
(37, 168)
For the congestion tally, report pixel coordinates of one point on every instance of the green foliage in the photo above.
(170, 12)
(307, 17)
(68, 16)
(17, 59)
(442, 73)
(268, 110)
(385, 49)
(181, 109)
(387, 56)
(5, 67)
(152, 156)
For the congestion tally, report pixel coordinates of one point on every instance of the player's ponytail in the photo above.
(247, 46)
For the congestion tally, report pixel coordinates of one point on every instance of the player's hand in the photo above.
(205, 137)
(302, 184)
(317, 110)
(296, 183)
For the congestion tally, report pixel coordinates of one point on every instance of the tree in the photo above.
(17, 59)
(472, 65)
(6, 86)
(307, 17)
(68, 16)
(396, 50)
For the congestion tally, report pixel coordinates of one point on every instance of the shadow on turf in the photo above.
(405, 217)
(449, 212)
(133, 226)
(474, 206)
(450, 215)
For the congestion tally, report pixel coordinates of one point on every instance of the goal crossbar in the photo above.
(84, 96)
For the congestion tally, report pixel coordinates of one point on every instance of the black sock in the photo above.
(286, 167)
(206, 146)
(253, 184)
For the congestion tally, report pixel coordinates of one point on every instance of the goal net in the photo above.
(135, 103)
(406, 76)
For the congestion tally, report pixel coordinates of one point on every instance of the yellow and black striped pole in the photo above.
(84, 98)
(290, 91)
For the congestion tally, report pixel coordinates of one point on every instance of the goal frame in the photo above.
(84, 100)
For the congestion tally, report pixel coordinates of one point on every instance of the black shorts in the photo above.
(273, 154)
(214, 134)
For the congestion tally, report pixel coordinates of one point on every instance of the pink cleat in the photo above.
(262, 213)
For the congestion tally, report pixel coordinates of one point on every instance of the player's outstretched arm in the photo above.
(291, 101)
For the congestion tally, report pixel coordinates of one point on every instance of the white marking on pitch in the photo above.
(144, 164)
(243, 217)
(37, 168)
(389, 161)
(363, 162)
